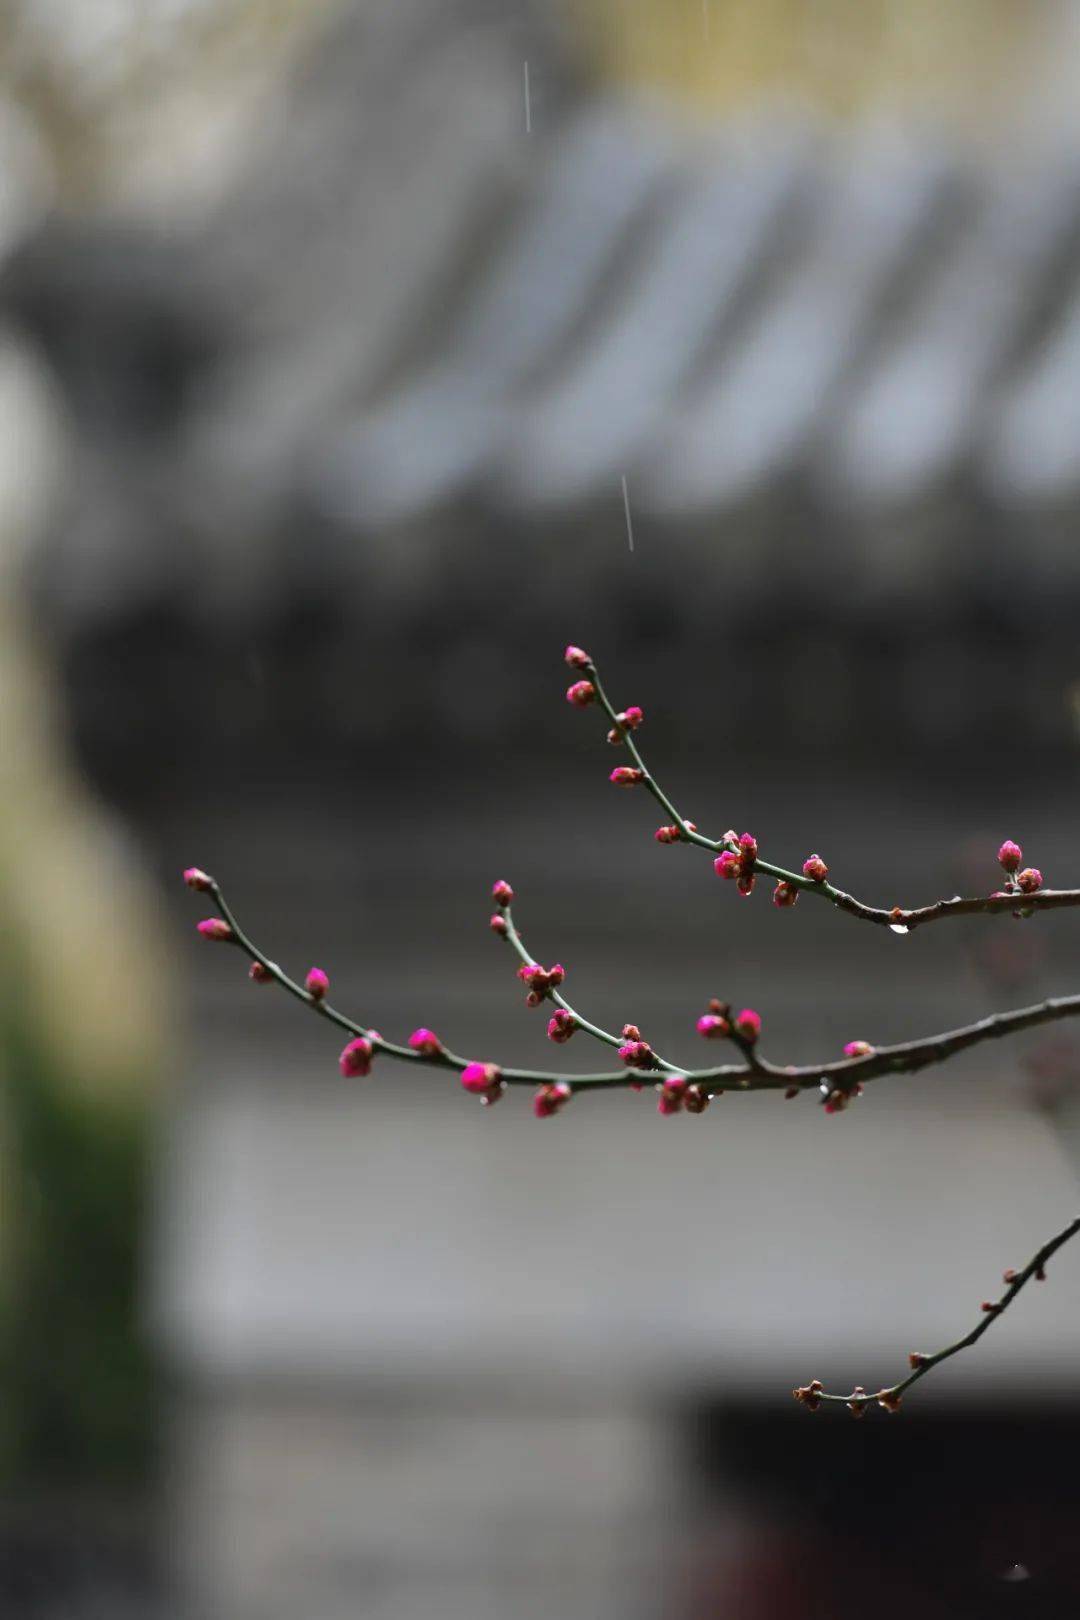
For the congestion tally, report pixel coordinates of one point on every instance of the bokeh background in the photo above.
(355, 357)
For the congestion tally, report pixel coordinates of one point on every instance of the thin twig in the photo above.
(899, 918)
(812, 1395)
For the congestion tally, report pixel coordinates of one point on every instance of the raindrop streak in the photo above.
(528, 109)
(626, 506)
(899, 928)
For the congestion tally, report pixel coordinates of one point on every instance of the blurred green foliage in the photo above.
(76, 1378)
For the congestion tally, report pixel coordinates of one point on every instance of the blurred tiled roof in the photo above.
(409, 362)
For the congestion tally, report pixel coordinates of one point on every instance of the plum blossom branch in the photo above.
(1022, 891)
(837, 1079)
(858, 1401)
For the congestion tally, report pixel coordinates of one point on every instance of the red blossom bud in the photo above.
(785, 894)
(215, 928)
(728, 865)
(581, 694)
(1010, 855)
(1009, 1276)
(888, 1399)
(497, 924)
(696, 1100)
(745, 884)
(712, 1027)
(480, 1079)
(916, 1359)
(426, 1042)
(630, 1032)
(672, 1094)
(809, 1394)
(748, 1024)
(631, 718)
(1029, 880)
(667, 835)
(561, 1025)
(637, 1055)
(626, 776)
(748, 848)
(990, 1306)
(549, 1099)
(791, 1093)
(857, 1049)
(196, 878)
(355, 1059)
(260, 974)
(577, 658)
(815, 869)
(317, 984)
(502, 893)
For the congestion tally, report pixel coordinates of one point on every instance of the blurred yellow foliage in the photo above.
(957, 60)
(78, 930)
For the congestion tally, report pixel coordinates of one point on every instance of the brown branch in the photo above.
(902, 920)
(812, 1395)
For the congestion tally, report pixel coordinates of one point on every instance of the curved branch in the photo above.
(902, 920)
(845, 1074)
(812, 1395)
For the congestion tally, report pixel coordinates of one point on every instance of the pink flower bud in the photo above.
(748, 848)
(626, 775)
(561, 1025)
(355, 1059)
(630, 1032)
(748, 1024)
(426, 1042)
(195, 878)
(215, 928)
(745, 884)
(712, 1027)
(728, 865)
(577, 658)
(815, 869)
(317, 984)
(581, 694)
(480, 1078)
(857, 1049)
(631, 718)
(498, 924)
(1029, 880)
(672, 1094)
(696, 1100)
(502, 893)
(541, 980)
(785, 894)
(637, 1055)
(667, 835)
(260, 974)
(1010, 855)
(549, 1099)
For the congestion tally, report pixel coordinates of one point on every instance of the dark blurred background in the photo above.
(355, 357)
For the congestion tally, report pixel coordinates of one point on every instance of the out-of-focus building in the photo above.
(481, 353)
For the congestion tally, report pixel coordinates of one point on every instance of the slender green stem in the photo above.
(515, 940)
(896, 917)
